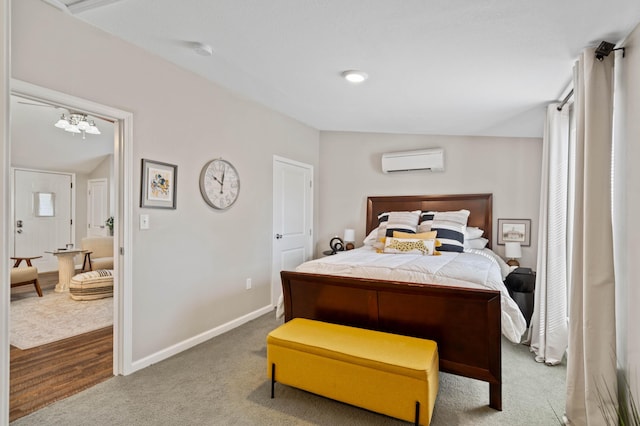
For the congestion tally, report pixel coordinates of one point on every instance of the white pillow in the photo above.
(403, 221)
(473, 232)
(426, 220)
(450, 227)
(371, 238)
(475, 243)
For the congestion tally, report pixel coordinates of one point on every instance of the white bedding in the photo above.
(472, 269)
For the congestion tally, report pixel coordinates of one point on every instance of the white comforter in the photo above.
(473, 269)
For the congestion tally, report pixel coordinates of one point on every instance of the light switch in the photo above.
(144, 221)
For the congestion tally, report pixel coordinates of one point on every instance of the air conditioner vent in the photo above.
(424, 159)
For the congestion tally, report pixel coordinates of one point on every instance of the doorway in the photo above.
(292, 218)
(122, 202)
(97, 207)
(43, 215)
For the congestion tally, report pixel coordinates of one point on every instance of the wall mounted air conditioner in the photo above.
(424, 159)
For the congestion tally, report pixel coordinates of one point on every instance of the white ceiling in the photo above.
(37, 144)
(448, 67)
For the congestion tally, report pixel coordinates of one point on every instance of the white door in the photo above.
(42, 215)
(292, 218)
(97, 207)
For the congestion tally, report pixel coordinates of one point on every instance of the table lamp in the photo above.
(512, 251)
(349, 238)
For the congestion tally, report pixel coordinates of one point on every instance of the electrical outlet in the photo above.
(248, 283)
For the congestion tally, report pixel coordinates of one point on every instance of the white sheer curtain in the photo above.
(626, 190)
(591, 364)
(548, 332)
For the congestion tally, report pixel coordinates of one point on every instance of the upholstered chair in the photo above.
(25, 275)
(99, 253)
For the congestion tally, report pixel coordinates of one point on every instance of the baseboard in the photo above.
(196, 340)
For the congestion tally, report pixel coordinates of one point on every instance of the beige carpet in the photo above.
(223, 382)
(36, 321)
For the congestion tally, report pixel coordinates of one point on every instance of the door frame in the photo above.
(5, 75)
(12, 213)
(275, 275)
(123, 206)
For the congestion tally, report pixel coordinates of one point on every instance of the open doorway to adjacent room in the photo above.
(65, 187)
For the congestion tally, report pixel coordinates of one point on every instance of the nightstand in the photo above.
(521, 284)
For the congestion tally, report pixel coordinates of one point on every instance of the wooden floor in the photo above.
(42, 375)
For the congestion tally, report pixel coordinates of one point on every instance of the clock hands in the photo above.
(220, 181)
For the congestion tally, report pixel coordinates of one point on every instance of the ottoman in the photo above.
(92, 285)
(387, 373)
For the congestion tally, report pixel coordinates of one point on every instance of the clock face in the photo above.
(219, 184)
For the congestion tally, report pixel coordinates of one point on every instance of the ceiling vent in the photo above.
(424, 159)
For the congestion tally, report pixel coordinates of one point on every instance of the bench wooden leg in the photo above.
(273, 379)
(417, 423)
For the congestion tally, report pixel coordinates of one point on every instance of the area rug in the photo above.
(36, 321)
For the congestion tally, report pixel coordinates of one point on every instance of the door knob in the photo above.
(278, 236)
(19, 231)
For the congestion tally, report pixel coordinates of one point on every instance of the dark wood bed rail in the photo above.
(465, 323)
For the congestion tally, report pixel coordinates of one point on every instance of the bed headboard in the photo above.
(480, 206)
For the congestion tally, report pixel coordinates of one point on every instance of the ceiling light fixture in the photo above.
(77, 123)
(354, 76)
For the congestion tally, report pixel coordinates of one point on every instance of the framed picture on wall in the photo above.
(158, 185)
(514, 230)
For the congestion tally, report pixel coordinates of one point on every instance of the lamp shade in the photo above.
(349, 235)
(62, 123)
(512, 250)
(93, 130)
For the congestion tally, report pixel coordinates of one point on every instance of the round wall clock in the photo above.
(219, 184)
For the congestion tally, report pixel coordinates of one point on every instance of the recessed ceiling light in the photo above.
(355, 76)
(203, 49)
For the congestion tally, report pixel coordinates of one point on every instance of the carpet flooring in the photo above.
(224, 382)
(37, 320)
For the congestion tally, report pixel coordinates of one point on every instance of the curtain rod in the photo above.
(565, 100)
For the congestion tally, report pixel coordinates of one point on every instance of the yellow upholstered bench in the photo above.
(382, 372)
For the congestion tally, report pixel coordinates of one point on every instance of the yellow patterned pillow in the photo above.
(409, 246)
(431, 236)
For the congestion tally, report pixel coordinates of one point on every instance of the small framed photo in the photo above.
(158, 185)
(514, 230)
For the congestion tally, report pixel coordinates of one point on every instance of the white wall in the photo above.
(350, 171)
(189, 268)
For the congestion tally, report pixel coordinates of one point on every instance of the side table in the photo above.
(521, 284)
(66, 267)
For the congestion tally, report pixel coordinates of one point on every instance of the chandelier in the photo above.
(77, 123)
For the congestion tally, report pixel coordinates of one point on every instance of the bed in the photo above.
(465, 322)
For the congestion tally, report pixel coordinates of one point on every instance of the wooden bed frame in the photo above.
(466, 323)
